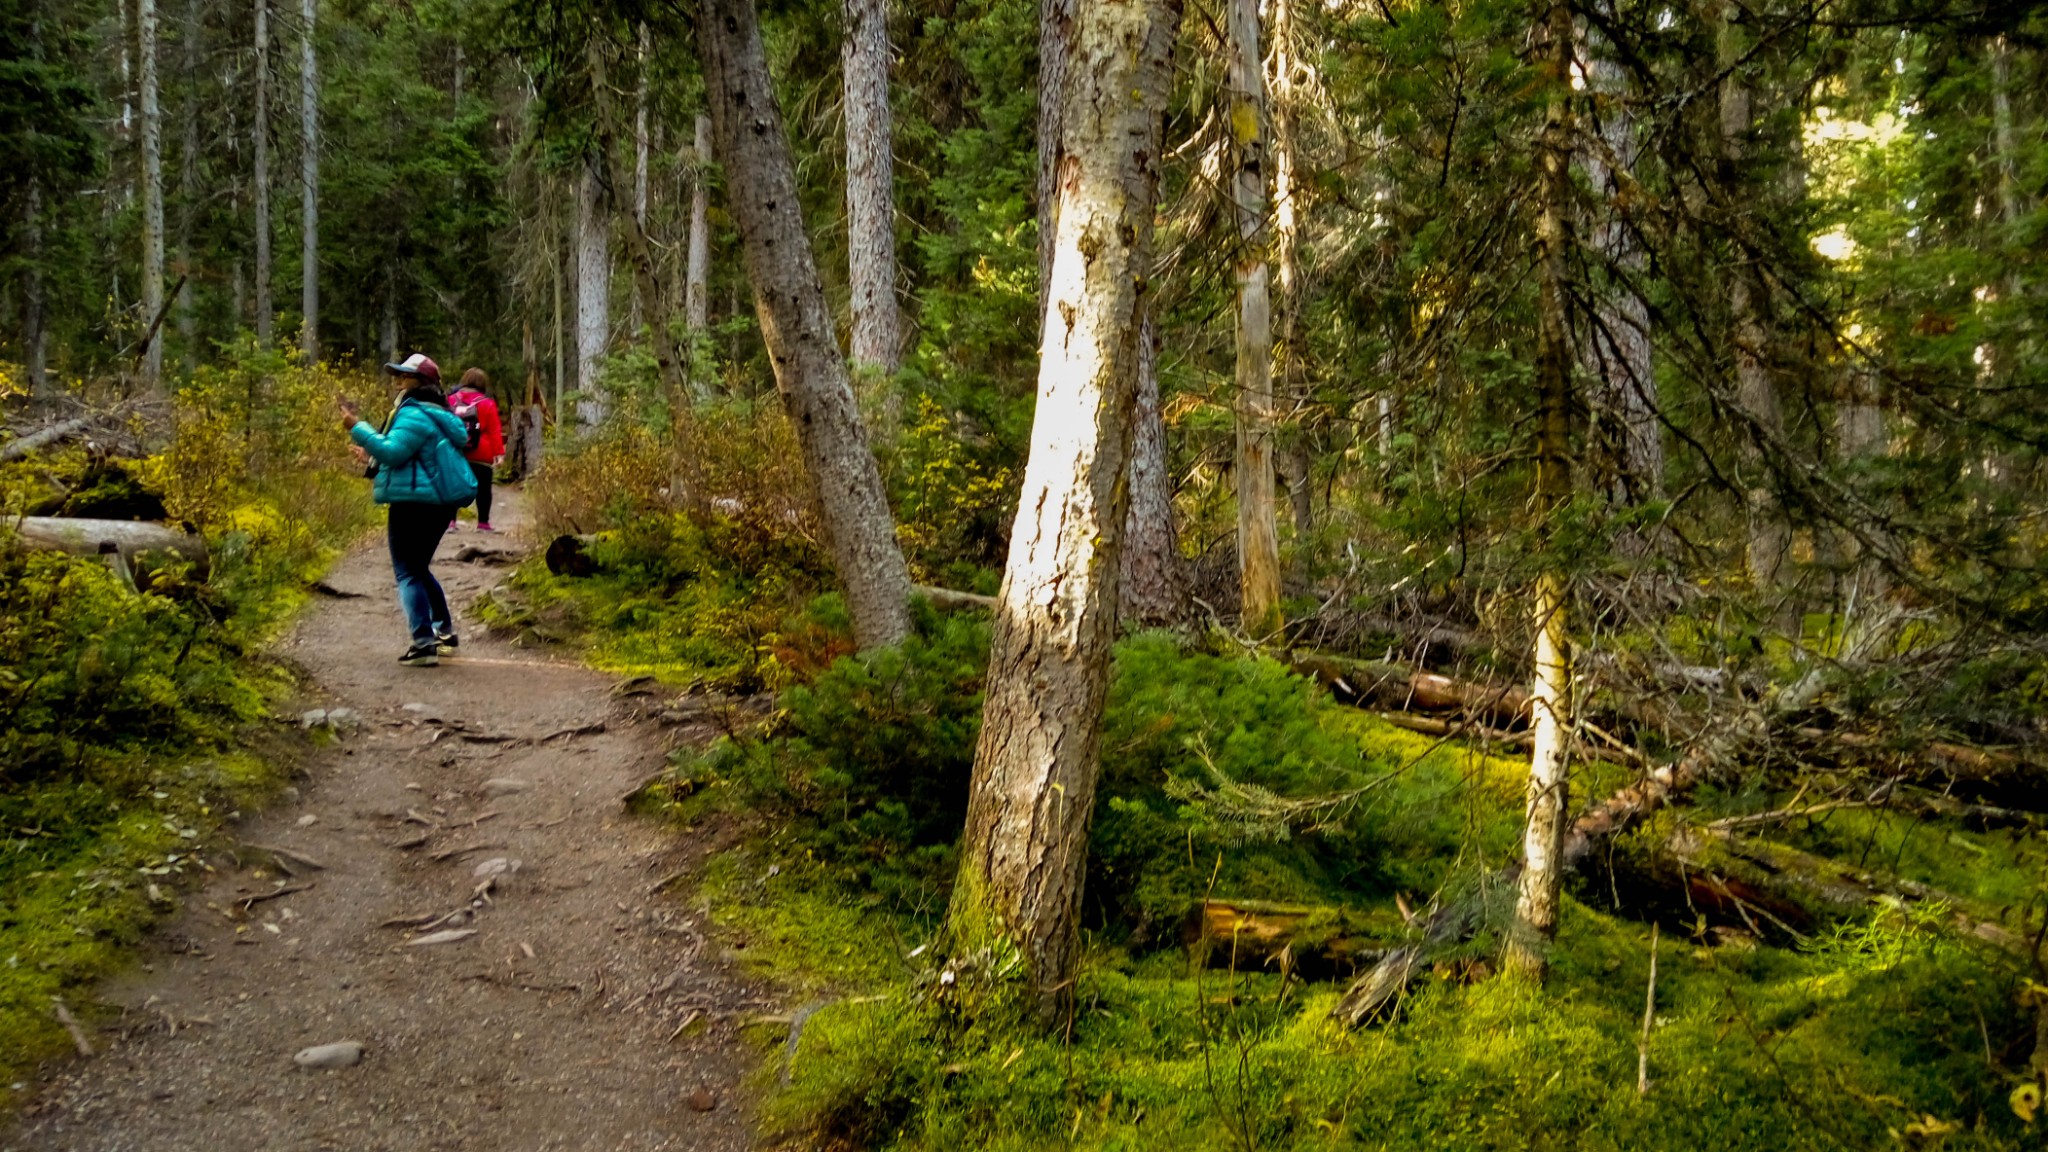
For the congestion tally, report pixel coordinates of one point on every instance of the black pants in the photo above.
(414, 531)
(483, 490)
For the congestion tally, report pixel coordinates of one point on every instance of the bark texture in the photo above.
(593, 290)
(1617, 356)
(697, 266)
(1258, 540)
(870, 190)
(1542, 879)
(1036, 763)
(152, 193)
(1293, 460)
(1151, 587)
(309, 185)
(259, 132)
(1055, 44)
(796, 324)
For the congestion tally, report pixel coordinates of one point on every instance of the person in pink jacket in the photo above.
(472, 403)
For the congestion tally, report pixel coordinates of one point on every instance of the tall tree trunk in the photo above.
(1151, 585)
(1289, 192)
(643, 304)
(152, 195)
(35, 321)
(646, 284)
(1618, 354)
(387, 342)
(1542, 875)
(871, 199)
(1035, 765)
(309, 185)
(260, 192)
(697, 266)
(1258, 541)
(1756, 393)
(593, 290)
(1056, 23)
(188, 188)
(555, 261)
(797, 325)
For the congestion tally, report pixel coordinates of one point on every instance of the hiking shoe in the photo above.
(484, 526)
(421, 656)
(447, 639)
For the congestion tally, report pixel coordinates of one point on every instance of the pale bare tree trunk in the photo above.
(1056, 22)
(1151, 587)
(152, 194)
(593, 291)
(260, 192)
(1618, 354)
(309, 185)
(2003, 139)
(1541, 881)
(1768, 536)
(555, 244)
(871, 201)
(697, 267)
(188, 187)
(1035, 765)
(796, 324)
(1292, 461)
(1258, 540)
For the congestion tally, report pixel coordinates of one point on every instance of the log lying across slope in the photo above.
(132, 540)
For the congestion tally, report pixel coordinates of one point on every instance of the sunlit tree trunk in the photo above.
(796, 323)
(260, 183)
(1618, 354)
(1541, 881)
(697, 267)
(1035, 764)
(188, 187)
(152, 194)
(1055, 45)
(593, 290)
(870, 199)
(1768, 537)
(1258, 542)
(1151, 587)
(309, 185)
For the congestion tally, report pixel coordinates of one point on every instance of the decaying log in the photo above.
(132, 539)
(1314, 943)
(948, 600)
(1397, 687)
(38, 440)
(1377, 992)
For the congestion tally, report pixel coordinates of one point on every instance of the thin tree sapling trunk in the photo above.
(152, 192)
(1258, 540)
(697, 265)
(796, 324)
(309, 186)
(260, 192)
(188, 185)
(1036, 762)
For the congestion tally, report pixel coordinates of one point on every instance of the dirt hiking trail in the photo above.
(580, 1008)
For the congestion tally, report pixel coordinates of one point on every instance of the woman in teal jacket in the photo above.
(421, 475)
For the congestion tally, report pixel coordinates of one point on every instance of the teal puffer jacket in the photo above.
(419, 461)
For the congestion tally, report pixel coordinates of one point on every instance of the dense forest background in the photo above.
(1584, 473)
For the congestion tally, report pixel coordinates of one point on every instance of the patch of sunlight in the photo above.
(1834, 244)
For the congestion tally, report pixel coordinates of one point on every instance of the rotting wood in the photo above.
(33, 442)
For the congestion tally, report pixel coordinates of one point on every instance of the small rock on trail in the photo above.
(341, 1054)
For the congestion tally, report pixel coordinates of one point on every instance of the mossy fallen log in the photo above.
(1312, 942)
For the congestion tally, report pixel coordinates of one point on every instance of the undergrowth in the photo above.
(122, 710)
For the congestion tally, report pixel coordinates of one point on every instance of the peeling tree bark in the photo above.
(1542, 879)
(1035, 765)
(796, 324)
(1258, 541)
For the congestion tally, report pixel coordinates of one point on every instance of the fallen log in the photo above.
(1308, 941)
(948, 600)
(36, 441)
(1397, 687)
(131, 539)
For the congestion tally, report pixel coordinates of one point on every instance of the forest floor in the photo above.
(586, 1008)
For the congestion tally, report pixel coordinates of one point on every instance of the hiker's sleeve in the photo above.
(401, 445)
(492, 428)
